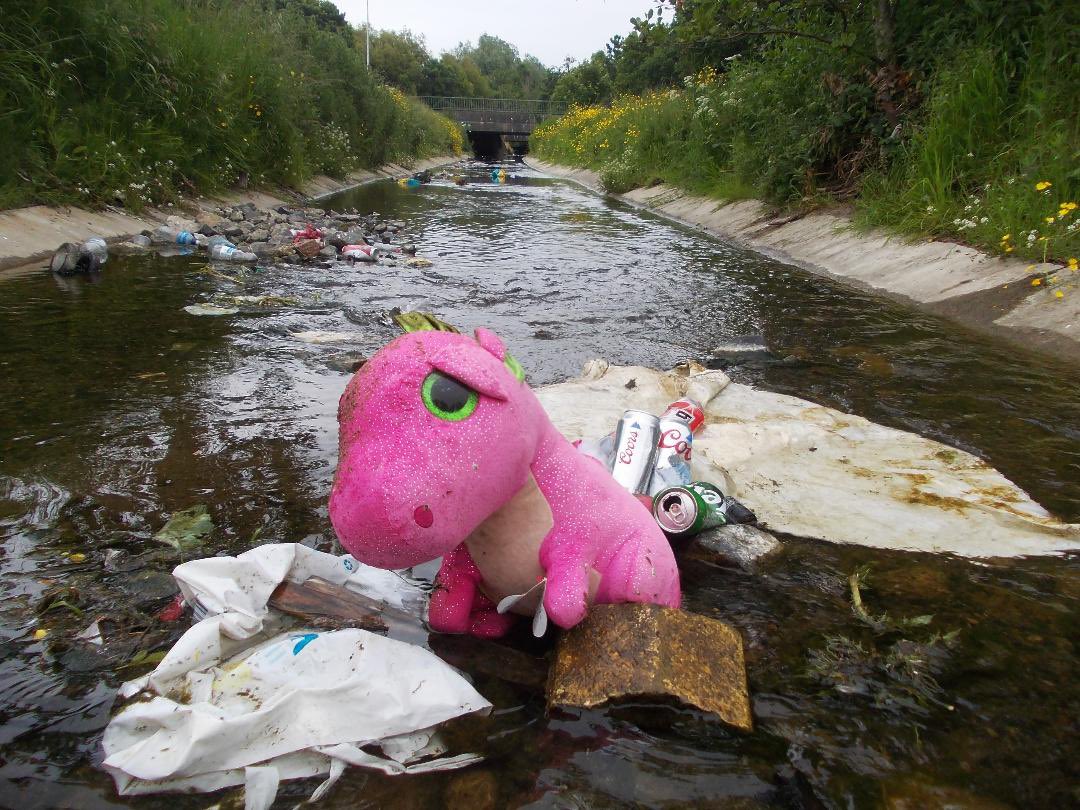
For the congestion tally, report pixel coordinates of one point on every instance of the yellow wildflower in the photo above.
(1072, 264)
(1058, 294)
(1043, 185)
(1049, 220)
(77, 557)
(1035, 282)
(1006, 237)
(1069, 206)
(40, 633)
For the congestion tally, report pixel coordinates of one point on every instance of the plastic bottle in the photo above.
(92, 254)
(229, 253)
(218, 240)
(165, 235)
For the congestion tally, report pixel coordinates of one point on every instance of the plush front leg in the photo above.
(486, 622)
(566, 596)
(455, 591)
(458, 606)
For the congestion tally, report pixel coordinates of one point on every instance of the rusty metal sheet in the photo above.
(635, 651)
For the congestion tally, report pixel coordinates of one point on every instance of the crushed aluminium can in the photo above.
(688, 411)
(688, 510)
(635, 450)
(672, 466)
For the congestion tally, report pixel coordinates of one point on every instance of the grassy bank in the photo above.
(986, 152)
(140, 101)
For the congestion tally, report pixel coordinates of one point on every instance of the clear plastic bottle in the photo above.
(92, 254)
(165, 235)
(229, 253)
(217, 239)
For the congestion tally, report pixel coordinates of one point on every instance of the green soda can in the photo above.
(687, 510)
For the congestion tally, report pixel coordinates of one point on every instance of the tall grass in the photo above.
(996, 161)
(991, 157)
(139, 101)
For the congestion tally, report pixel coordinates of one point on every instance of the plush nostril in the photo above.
(423, 517)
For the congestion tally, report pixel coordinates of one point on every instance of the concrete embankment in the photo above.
(988, 293)
(29, 235)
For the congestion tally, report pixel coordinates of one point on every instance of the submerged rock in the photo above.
(347, 362)
(738, 351)
(738, 544)
(150, 587)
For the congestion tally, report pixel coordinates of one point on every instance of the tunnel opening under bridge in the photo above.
(496, 145)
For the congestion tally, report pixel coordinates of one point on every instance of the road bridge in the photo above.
(494, 123)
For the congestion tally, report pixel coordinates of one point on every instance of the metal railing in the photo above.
(532, 106)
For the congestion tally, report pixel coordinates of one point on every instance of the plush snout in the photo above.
(388, 525)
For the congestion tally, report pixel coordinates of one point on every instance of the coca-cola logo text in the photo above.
(673, 438)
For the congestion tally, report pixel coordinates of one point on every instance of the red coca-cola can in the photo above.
(688, 411)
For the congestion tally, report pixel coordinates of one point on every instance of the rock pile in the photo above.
(291, 233)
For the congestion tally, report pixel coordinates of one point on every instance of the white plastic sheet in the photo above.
(812, 471)
(234, 702)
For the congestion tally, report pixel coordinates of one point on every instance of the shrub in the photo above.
(990, 156)
(137, 102)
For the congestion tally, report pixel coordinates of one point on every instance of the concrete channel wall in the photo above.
(30, 235)
(988, 293)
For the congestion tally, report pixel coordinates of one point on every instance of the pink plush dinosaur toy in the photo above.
(441, 441)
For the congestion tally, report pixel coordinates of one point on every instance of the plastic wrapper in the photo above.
(236, 701)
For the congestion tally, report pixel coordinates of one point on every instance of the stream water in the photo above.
(118, 408)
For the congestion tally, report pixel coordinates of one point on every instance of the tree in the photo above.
(323, 13)
(587, 83)
(506, 73)
(399, 58)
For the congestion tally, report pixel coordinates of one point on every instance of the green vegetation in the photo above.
(490, 69)
(139, 101)
(934, 118)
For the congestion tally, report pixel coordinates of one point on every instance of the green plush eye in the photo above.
(448, 399)
(515, 367)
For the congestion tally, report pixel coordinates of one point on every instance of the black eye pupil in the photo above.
(449, 395)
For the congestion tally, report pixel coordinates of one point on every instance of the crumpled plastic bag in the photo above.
(234, 702)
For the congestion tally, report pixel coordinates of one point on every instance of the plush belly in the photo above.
(506, 547)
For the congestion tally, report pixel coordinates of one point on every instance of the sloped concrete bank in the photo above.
(987, 293)
(29, 235)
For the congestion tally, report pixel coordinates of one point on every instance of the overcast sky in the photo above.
(550, 30)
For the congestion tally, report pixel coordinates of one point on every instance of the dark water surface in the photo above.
(118, 408)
